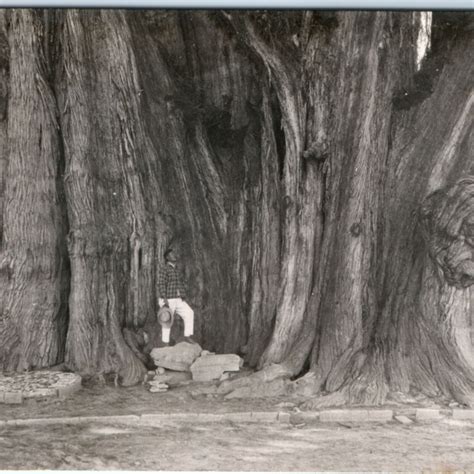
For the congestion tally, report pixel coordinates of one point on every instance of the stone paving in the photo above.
(325, 416)
(16, 387)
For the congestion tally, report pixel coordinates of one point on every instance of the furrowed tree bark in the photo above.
(442, 302)
(411, 343)
(116, 235)
(299, 191)
(320, 165)
(361, 113)
(266, 227)
(348, 357)
(33, 264)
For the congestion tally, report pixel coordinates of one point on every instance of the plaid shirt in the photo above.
(170, 283)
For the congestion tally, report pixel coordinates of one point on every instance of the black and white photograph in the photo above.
(236, 239)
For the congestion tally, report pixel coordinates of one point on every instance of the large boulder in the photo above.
(211, 367)
(178, 357)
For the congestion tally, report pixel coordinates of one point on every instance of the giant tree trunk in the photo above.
(296, 158)
(407, 339)
(116, 235)
(33, 266)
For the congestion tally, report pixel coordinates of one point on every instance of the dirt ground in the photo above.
(244, 447)
(109, 400)
(443, 446)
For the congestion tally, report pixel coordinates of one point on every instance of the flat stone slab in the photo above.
(460, 414)
(299, 417)
(16, 387)
(256, 417)
(178, 357)
(423, 414)
(334, 416)
(206, 374)
(229, 362)
(380, 415)
(211, 367)
(13, 398)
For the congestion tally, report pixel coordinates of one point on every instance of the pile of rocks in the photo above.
(157, 386)
(185, 363)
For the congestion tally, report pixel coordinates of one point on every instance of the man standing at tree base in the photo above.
(172, 294)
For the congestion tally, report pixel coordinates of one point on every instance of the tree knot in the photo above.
(356, 229)
(447, 221)
(317, 151)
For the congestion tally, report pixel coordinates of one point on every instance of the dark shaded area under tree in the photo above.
(321, 190)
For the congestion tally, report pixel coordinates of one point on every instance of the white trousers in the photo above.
(184, 311)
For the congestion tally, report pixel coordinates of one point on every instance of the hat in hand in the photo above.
(165, 317)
